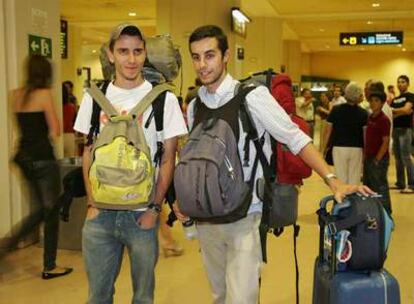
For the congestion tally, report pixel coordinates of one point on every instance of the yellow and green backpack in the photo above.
(122, 172)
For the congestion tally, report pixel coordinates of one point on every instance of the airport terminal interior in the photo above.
(318, 43)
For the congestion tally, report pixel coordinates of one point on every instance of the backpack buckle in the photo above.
(372, 223)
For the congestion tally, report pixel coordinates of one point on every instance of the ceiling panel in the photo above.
(107, 10)
(317, 23)
(301, 7)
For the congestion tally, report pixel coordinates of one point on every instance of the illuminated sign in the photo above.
(370, 38)
(63, 39)
(40, 46)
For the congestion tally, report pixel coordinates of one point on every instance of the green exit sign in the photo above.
(40, 46)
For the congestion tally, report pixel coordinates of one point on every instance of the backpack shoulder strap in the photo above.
(150, 98)
(158, 114)
(101, 99)
(96, 111)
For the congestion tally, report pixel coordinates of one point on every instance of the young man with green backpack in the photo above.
(125, 187)
(230, 242)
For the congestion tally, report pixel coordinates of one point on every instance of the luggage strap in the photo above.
(335, 226)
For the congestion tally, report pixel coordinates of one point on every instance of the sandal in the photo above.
(407, 191)
(172, 250)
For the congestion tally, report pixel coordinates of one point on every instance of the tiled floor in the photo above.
(181, 280)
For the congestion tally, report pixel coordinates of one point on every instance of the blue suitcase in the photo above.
(349, 287)
(374, 287)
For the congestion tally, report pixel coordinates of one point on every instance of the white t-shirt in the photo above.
(338, 101)
(267, 115)
(124, 100)
(307, 113)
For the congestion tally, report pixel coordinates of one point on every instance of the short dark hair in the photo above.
(68, 83)
(304, 90)
(379, 94)
(210, 31)
(376, 85)
(390, 86)
(129, 30)
(405, 77)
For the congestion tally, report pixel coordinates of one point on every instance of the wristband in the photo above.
(154, 207)
(328, 177)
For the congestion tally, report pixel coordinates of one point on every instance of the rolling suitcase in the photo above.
(344, 287)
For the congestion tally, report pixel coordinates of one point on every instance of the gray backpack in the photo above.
(208, 179)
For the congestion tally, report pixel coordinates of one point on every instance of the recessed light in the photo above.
(94, 51)
(399, 45)
(370, 22)
(132, 14)
(376, 5)
(322, 30)
(404, 49)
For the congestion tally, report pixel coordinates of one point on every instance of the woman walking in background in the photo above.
(37, 120)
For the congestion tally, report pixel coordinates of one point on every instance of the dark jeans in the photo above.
(402, 138)
(44, 180)
(375, 177)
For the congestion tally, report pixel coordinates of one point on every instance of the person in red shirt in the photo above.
(376, 156)
(69, 116)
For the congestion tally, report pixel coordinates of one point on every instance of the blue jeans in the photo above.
(375, 177)
(403, 162)
(103, 241)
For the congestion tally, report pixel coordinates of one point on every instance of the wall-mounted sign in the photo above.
(240, 53)
(40, 46)
(370, 38)
(63, 39)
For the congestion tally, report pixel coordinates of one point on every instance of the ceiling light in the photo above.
(94, 51)
(399, 45)
(370, 22)
(322, 30)
(132, 14)
(327, 46)
(404, 49)
(376, 5)
(239, 15)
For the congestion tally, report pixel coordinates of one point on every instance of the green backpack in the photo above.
(122, 172)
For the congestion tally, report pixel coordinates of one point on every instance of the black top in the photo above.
(34, 141)
(347, 125)
(404, 121)
(228, 112)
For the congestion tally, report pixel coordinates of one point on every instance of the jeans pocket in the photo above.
(136, 215)
(92, 214)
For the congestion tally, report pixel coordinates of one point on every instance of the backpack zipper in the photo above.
(227, 162)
